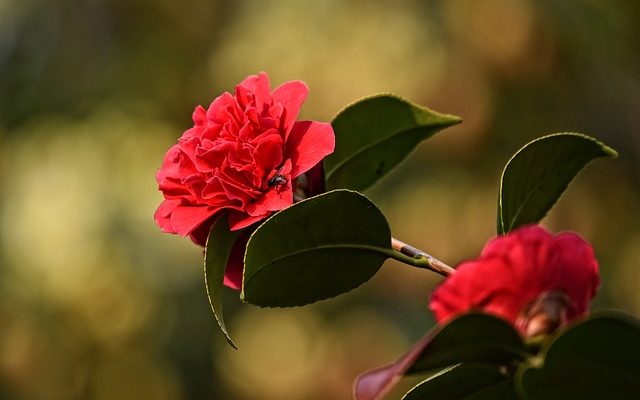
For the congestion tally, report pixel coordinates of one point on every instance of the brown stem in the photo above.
(434, 264)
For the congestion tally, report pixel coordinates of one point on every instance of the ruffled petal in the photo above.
(162, 216)
(256, 86)
(239, 219)
(308, 143)
(199, 116)
(200, 234)
(276, 199)
(223, 108)
(235, 264)
(170, 165)
(290, 95)
(268, 153)
(574, 270)
(184, 219)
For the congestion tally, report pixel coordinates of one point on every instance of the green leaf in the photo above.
(468, 382)
(375, 134)
(316, 249)
(598, 358)
(217, 250)
(537, 175)
(472, 337)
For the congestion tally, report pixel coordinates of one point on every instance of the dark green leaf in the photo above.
(316, 249)
(598, 358)
(537, 175)
(471, 337)
(374, 134)
(217, 250)
(468, 382)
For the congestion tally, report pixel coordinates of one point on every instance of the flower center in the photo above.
(545, 314)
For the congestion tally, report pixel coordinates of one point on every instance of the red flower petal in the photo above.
(223, 108)
(162, 215)
(278, 198)
(268, 153)
(170, 165)
(200, 234)
(239, 220)
(308, 143)
(568, 268)
(291, 95)
(199, 116)
(184, 219)
(235, 264)
(259, 88)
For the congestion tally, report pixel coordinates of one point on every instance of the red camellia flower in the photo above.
(240, 157)
(529, 277)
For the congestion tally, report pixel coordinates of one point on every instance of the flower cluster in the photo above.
(247, 152)
(247, 157)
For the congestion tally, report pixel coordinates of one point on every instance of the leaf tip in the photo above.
(453, 119)
(440, 119)
(610, 152)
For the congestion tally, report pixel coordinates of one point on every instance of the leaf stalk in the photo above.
(415, 257)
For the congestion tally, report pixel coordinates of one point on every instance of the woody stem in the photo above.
(421, 258)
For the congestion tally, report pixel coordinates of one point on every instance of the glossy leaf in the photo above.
(217, 250)
(374, 135)
(472, 338)
(537, 175)
(316, 249)
(468, 382)
(598, 358)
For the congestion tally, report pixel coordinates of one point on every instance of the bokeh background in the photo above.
(96, 303)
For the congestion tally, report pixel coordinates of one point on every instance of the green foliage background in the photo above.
(96, 303)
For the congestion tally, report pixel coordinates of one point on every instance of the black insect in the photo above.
(277, 179)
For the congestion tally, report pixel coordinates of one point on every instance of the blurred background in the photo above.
(97, 303)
